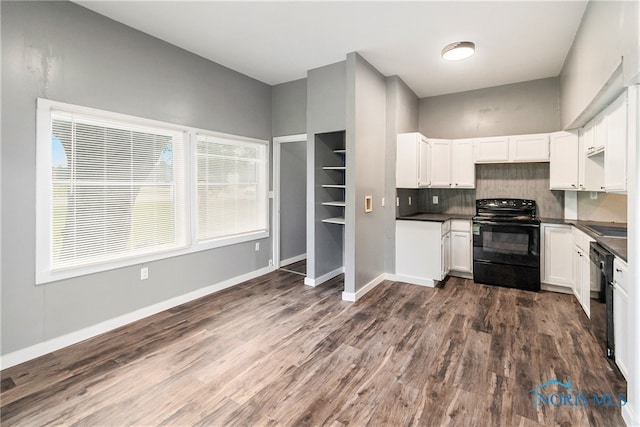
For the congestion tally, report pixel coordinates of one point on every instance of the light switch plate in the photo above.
(593, 195)
(435, 200)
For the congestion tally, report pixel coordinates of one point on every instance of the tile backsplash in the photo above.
(509, 180)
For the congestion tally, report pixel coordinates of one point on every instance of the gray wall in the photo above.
(293, 197)
(607, 34)
(289, 108)
(402, 116)
(366, 141)
(520, 108)
(61, 51)
(326, 106)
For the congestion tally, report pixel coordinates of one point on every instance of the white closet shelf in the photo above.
(336, 203)
(340, 151)
(335, 220)
(334, 168)
(333, 186)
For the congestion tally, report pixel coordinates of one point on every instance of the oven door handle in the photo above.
(514, 224)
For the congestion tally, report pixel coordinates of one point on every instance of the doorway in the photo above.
(290, 203)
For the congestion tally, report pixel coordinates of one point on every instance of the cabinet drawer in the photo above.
(461, 225)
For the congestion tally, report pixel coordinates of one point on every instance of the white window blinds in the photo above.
(231, 187)
(117, 190)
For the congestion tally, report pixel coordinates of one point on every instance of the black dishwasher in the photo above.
(602, 296)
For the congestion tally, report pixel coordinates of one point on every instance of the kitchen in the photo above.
(357, 113)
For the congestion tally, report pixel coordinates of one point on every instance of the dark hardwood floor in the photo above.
(274, 352)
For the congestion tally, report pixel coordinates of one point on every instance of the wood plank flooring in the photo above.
(274, 352)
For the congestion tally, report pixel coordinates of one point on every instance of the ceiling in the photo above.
(277, 42)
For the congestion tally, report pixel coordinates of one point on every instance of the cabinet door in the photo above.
(462, 165)
(615, 152)
(407, 160)
(492, 150)
(424, 163)
(585, 286)
(577, 273)
(599, 134)
(558, 245)
(446, 255)
(564, 158)
(461, 251)
(440, 163)
(529, 148)
(621, 329)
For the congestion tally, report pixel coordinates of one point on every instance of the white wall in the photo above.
(607, 35)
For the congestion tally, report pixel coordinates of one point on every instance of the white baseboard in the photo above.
(556, 288)
(629, 416)
(325, 277)
(353, 297)
(461, 274)
(291, 260)
(37, 350)
(411, 280)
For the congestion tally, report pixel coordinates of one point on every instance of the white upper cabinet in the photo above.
(564, 161)
(463, 169)
(599, 135)
(440, 163)
(492, 150)
(512, 149)
(412, 161)
(615, 152)
(529, 148)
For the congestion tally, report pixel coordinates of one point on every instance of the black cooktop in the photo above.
(507, 210)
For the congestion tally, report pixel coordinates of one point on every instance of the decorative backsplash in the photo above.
(514, 180)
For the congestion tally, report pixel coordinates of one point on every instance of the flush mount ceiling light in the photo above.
(458, 50)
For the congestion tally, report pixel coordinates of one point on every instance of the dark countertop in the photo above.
(617, 246)
(434, 217)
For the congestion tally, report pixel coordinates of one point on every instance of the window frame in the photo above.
(235, 238)
(43, 272)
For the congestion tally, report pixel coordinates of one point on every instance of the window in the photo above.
(230, 191)
(113, 190)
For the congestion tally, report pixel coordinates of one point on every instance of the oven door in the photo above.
(516, 244)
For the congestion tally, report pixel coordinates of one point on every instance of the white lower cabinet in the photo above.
(557, 252)
(461, 247)
(419, 252)
(621, 317)
(582, 270)
(446, 255)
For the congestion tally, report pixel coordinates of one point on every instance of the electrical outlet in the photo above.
(270, 262)
(435, 200)
(382, 201)
(397, 201)
(257, 246)
(409, 200)
(593, 195)
(144, 273)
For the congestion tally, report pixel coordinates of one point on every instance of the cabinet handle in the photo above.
(618, 270)
(573, 185)
(602, 188)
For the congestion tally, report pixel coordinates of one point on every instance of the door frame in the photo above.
(277, 141)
